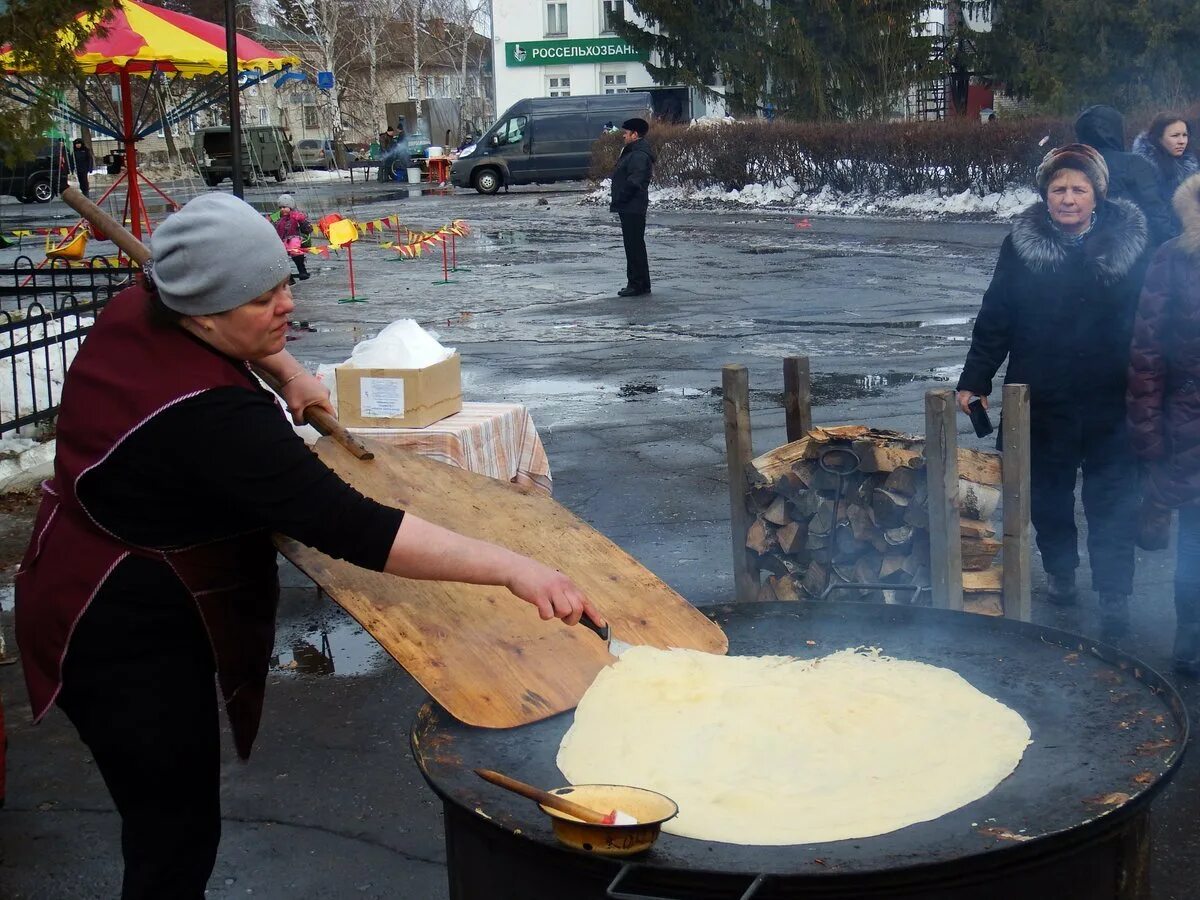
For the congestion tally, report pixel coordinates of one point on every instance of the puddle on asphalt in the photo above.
(637, 389)
(941, 322)
(340, 647)
(763, 251)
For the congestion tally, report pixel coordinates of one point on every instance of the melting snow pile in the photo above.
(37, 375)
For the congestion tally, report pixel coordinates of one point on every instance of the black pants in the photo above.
(301, 265)
(1099, 443)
(138, 685)
(637, 266)
(82, 178)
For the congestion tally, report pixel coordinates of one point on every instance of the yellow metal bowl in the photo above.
(650, 809)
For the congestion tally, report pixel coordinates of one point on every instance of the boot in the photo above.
(301, 268)
(1186, 655)
(1114, 616)
(1060, 589)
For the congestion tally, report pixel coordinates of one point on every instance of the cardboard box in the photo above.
(399, 398)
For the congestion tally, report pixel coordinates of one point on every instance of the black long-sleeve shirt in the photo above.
(224, 462)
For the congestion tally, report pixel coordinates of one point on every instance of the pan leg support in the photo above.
(735, 386)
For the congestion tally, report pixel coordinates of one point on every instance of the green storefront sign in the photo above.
(558, 53)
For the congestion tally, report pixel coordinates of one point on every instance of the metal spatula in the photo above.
(615, 646)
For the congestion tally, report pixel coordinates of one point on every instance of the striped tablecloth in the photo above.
(493, 439)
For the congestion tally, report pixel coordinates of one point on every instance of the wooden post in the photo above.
(735, 386)
(1015, 468)
(941, 467)
(797, 396)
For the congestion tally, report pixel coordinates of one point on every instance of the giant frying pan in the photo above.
(482, 654)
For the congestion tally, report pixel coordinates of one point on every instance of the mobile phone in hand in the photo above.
(979, 417)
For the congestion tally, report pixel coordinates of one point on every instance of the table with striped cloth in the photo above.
(493, 439)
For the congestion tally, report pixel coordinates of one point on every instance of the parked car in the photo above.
(37, 180)
(313, 153)
(544, 139)
(265, 151)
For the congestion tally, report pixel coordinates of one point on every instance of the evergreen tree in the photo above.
(33, 30)
(1074, 52)
(813, 59)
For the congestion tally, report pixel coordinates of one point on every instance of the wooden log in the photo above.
(735, 385)
(792, 536)
(787, 587)
(815, 579)
(766, 592)
(990, 604)
(977, 501)
(899, 539)
(866, 487)
(980, 466)
(917, 514)
(789, 486)
(804, 469)
(902, 481)
(777, 513)
(978, 555)
(887, 456)
(941, 458)
(797, 396)
(804, 506)
(775, 564)
(971, 528)
(888, 508)
(988, 581)
(823, 519)
(897, 568)
(761, 537)
(861, 523)
(1017, 599)
(823, 480)
(816, 542)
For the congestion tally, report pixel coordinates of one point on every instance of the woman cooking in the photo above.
(1060, 308)
(151, 564)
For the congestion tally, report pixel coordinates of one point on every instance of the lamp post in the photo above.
(235, 104)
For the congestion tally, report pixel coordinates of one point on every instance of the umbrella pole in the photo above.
(133, 190)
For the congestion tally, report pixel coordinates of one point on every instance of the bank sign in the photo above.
(557, 53)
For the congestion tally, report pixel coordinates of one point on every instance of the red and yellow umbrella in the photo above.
(139, 39)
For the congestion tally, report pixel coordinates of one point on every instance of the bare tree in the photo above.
(470, 47)
(377, 21)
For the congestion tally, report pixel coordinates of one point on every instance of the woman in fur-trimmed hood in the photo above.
(1060, 309)
(1164, 405)
(1166, 145)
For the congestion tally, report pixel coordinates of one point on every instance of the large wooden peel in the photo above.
(480, 652)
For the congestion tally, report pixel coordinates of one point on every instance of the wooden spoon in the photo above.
(562, 804)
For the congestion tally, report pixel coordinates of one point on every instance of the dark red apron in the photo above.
(128, 370)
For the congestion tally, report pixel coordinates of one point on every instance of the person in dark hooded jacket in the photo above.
(1060, 308)
(1164, 407)
(630, 200)
(1129, 176)
(1167, 147)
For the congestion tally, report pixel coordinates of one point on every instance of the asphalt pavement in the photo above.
(625, 395)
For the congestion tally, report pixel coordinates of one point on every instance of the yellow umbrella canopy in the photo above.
(140, 39)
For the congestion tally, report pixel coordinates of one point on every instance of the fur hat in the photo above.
(215, 254)
(286, 200)
(1079, 157)
(638, 126)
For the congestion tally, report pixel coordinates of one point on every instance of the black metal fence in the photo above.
(44, 315)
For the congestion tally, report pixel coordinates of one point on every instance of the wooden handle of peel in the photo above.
(140, 253)
(562, 804)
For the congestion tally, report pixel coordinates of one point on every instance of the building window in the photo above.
(612, 11)
(615, 84)
(412, 87)
(264, 116)
(556, 19)
(558, 85)
(310, 117)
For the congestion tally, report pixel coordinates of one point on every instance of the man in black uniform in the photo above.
(630, 199)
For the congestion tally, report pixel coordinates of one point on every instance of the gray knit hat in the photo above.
(286, 200)
(215, 254)
(1080, 157)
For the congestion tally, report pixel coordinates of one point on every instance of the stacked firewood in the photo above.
(878, 532)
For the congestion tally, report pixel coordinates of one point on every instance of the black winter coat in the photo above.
(1164, 368)
(631, 178)
(1129, 176)
(1171, 171)
(1062, 313)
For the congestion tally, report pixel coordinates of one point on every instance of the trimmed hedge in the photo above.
(874, 157)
